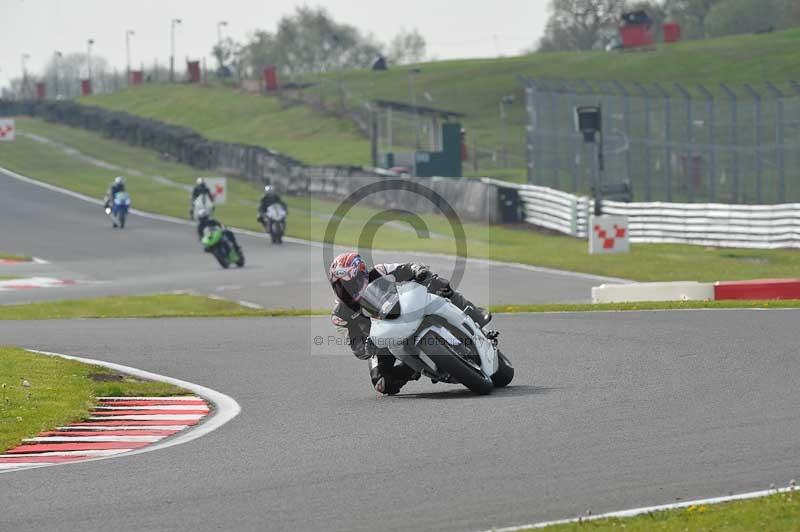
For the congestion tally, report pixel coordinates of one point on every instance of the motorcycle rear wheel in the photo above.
(450, 362)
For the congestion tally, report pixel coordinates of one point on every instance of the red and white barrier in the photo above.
(757, 289)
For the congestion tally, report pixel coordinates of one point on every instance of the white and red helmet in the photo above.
(349, 276)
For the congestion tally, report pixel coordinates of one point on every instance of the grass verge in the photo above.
(11, 256)
(61, 391)
(775, 513)
(472, 86)
(645, 305)
(195, 306)
(308, 218)
(151, 306)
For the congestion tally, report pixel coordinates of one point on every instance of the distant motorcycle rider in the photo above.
(349, 275)
(205, 221)
(200, 189)
(118, 185)
(270, 197)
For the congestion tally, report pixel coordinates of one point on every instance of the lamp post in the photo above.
(175, 22)
(24, 86)
(220, 24)
(57, 65)
(89, 44)
(508, 99)
(128, 35)
(589, 122)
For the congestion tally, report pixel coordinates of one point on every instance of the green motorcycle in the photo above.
(221, 243)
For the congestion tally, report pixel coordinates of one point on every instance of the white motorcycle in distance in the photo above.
(117, 209)
(275, 223)
(203, 207)
(434, 337)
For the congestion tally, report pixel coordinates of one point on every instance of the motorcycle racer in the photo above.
(270, 197)
(118, 185)
(349, 275)
(200, 189)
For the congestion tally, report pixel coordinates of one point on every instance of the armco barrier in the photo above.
(707, 224)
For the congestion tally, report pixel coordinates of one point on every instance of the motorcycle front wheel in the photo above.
(505, 373)
(462, 370)
(221, 257)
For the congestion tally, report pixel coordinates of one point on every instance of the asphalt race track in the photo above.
(607, 411)
(151, 256)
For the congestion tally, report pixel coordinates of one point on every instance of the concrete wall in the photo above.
(471, 199)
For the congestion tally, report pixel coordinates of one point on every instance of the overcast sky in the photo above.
(453, 28)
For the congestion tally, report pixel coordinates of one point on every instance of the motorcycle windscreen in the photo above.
(380, 299)
(276, 212)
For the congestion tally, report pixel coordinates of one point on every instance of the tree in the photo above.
(691, 14)
(581, 24)
(730, 17)
(63, 74)
(309, 41)
(407, 47)
(223, 51)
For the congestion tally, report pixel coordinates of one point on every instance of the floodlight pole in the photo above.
(128, 34)
(172, 49)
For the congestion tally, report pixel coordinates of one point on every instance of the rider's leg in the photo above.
(388, 378)
(441, 287)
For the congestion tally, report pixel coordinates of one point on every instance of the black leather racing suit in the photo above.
(347, 314)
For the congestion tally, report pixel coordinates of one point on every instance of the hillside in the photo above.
(474, 87)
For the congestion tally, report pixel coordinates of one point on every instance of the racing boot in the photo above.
(387, 378)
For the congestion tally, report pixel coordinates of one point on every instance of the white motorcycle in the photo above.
(203, 207)
(275, 223)
(434, 337)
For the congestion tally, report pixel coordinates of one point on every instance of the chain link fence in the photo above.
(677, 143)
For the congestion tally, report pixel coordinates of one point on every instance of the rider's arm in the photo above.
(409, 271)
(357, 326)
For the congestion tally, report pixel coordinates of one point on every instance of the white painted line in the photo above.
(171, 219)
(90, 427)
(154, 407)
(149, 417)
(650, 509)
(16, 466)
(140, 398)
(96, 453)
(225, 408)
(88, 439)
